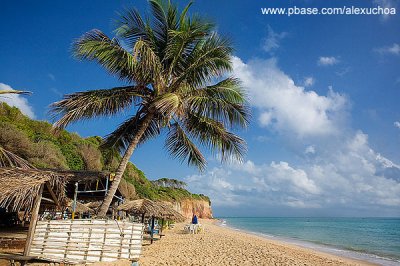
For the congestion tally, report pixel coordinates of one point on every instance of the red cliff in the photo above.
(187, 207)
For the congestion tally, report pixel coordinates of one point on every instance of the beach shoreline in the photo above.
(319, 247)
(222, 245)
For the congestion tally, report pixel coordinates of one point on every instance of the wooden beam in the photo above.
(56, 201)
(34, 218)
(47, 199)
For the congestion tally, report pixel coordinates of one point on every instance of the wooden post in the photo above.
(55, 199)
(34, 218)
(74, 203)
(152, 229)
(162, 225)
(142, 218)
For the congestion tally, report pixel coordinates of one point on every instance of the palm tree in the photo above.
(175, 67)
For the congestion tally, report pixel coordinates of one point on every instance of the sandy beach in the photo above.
(218, 245)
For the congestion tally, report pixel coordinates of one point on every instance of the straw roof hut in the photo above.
(19, 187)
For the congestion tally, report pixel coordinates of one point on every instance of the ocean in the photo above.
(372, 239)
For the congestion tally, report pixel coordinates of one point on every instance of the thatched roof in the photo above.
(19, 187)
(142, 206)
(80, 207)
(9, 159)
(151, 208)
(170, 213)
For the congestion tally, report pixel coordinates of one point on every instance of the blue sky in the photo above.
(324, 90)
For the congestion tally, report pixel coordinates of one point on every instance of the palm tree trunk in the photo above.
(122, 166)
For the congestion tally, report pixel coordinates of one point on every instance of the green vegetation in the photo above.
(36, 142)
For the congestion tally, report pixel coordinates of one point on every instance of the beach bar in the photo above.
(44, 196)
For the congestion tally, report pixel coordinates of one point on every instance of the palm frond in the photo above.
(214, 135)
(148, 67)
(183, 14)
(224, 101)
(181, 147)
(95, 103)
(183, 41)
(131, 27)
(210, 58)
(172, 17)
(9, 159)
(159, 21)
(168, 104)
(95, 45)
(15, 92)
(121, 137)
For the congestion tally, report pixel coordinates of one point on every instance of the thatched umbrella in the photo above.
(152, 209)
(149, 208)
(80, 207)
(93, 204)
(145, 207)
(170, 214)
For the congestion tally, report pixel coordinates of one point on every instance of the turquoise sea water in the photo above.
(373, 239)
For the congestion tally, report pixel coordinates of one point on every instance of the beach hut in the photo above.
(35, 190)
(151, 209)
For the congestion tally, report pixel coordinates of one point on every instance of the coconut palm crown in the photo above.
(176, 69)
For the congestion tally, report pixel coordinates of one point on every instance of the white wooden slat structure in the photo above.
(87, 241)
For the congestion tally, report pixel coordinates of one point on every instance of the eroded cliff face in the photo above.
(187, 207)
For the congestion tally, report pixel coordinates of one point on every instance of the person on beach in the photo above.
(194, 219)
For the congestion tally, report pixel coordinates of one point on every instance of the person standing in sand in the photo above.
(194, 219)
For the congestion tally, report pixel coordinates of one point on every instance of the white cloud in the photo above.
(385, 162)
(298, 178)
(56, 91)
(389, 50)
(327, 61)
(397, 124)
(343, 71)
(348, 176)
(265, 118)
(286, 106)
(310, 150)
(217, 186)
(51, 76)
(272, 42)
(17, 101)
(309, 81)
